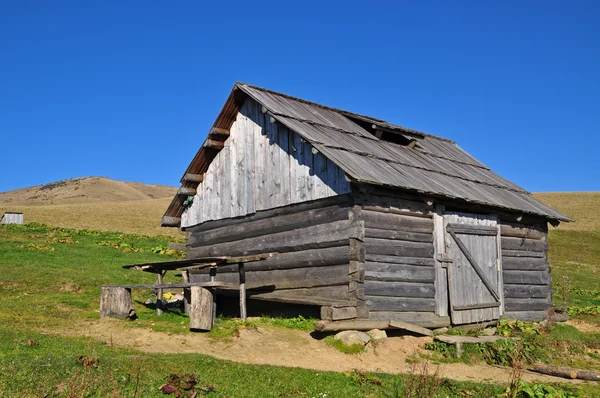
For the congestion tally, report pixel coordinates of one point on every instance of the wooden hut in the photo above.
(11, 217)
(369, 220)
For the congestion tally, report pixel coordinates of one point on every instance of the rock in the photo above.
(352, 337)
(440, 331)
(377, 334)
(488, 332)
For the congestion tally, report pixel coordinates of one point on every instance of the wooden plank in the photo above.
(337, 313)
(475, 266)
(271, 225)
(159, 294)
(476, 306)
(524, 263)
(210, 143)
(242, 288)
(398, 273)
(526, 316)
(285, 279)
(201, 308)
(527, 304)
(206, 283)
(251, 133)
(522, 231)
(190, 177)
(524, 244)
(468, 229)
(357, 324)
(399, 289)
(410, 327)
(259, 215)
(526, 291)
(526, 277)
(424, 319)
(441, 276)
(399, 304)
(398, 235)
(168, 221)
(313, 237)
(396, 248)
(392, 210)
(397, 222)
(381, 258)
(522, 253)
(285, 157)
(301, 259)
(219, 131)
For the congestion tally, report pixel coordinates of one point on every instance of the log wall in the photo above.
(312, 241)
(263, 165)
(526, 271)
(399, 267)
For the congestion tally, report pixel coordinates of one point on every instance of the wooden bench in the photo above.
(116, 301)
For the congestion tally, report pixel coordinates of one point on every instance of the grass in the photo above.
(580, 206)
(45, 290)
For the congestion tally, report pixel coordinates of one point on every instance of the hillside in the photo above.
(84, 190)
(580, 206)
(97, 203)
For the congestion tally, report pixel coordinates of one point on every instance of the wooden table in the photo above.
(197, 264)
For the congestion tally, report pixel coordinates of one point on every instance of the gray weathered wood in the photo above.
(411, 327)
(467, 229)
(527, 316)
(168, 221)
(242, 287)
(201, 308)
(441, 274)
(286, 278)
(197, 178)
(116, 302)
(522, 231)
(396, 222)
(159, 294)
(399, 248)
(527, 304)
(524, 263)
(536, 245)
(206, 283)
(399, 289)
(382, 258)
(399, 304)
(276, 224)
(398, 272)
(398, 235)
(11, 218)
(186, 191)
(313, 237)
(526, 277)
(522, 253)
(332, 313)
(527, 291)
(301, 259)
(425, 319)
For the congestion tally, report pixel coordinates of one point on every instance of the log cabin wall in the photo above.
(399, 267)
(312, 241)
(526, 271)
(263, 165)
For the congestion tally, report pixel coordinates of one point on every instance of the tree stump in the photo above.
(116, 302)
(201, 308)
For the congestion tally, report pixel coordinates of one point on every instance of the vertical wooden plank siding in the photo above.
(263, 165)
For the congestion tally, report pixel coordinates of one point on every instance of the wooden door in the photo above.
(474, 269)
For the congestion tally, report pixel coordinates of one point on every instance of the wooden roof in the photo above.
(422, 163)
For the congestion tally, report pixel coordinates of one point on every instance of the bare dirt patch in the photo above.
(583, 326)
(270, 345)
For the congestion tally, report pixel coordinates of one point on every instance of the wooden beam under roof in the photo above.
(186, 191)
(214, 144)
(218, 131)
(190, 177)
(168, 221)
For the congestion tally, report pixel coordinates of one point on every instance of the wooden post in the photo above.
(213, 275)
(159, 295)
(243, 314)
(201, 308)
(116, 302)
(186, 292)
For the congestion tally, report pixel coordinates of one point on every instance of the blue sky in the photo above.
(128, 90)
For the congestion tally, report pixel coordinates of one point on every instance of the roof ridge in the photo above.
(345, 112)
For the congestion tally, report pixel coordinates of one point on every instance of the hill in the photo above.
(97, 203)
(580, 206)
(84, 190)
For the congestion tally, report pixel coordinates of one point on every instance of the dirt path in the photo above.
(269, 345)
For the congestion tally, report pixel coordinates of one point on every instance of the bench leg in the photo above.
(116, 302)
(201, 308)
